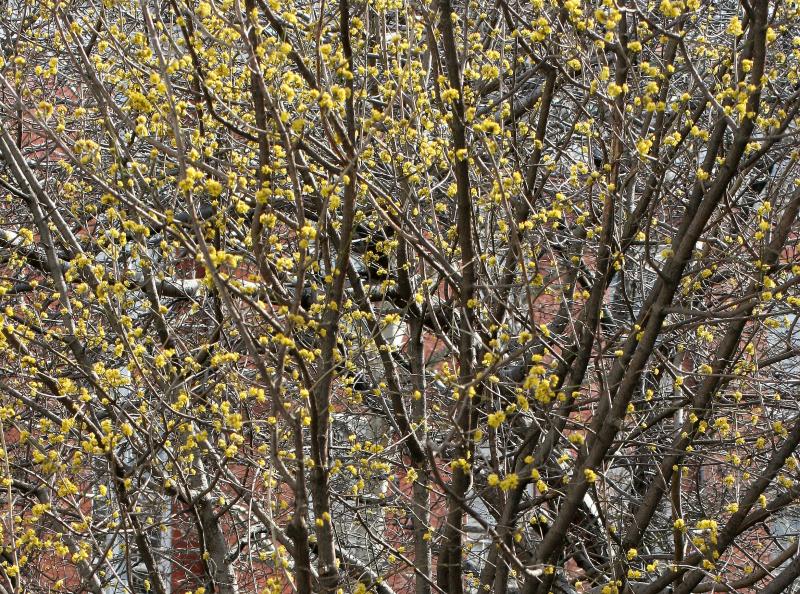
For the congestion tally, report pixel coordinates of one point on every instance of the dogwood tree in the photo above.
(396, 296)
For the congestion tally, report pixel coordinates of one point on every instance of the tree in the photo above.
(392, 296)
